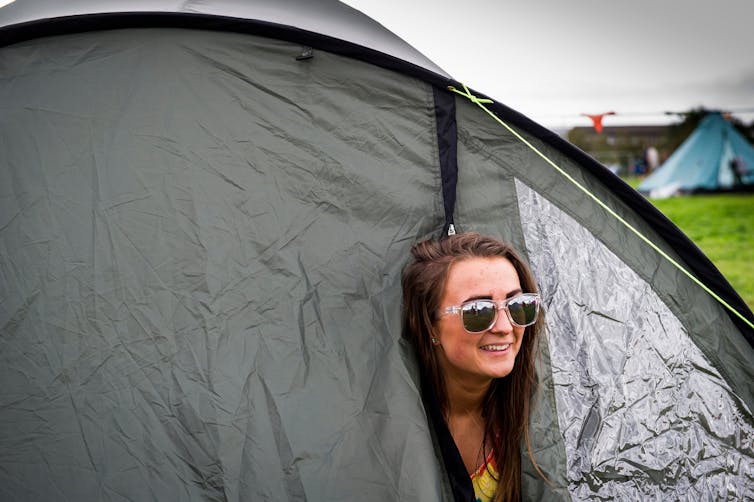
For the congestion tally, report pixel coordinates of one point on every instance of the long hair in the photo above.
(506, 406)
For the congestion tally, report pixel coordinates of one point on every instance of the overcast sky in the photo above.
(553, 60)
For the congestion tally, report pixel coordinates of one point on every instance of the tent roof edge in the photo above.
(26, 19)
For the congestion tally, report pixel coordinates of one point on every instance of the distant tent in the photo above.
(205, 208)
(714, 157)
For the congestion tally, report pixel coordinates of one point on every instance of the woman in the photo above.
(471, 310)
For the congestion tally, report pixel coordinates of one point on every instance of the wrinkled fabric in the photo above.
(201, 240)
(643, 412)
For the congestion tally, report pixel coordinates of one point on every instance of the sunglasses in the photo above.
(480, 315)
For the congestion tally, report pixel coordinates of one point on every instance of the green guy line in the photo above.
(482, 102)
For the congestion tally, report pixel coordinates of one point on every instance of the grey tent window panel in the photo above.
(643, 412)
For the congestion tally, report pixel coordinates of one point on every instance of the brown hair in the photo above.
(506, 406)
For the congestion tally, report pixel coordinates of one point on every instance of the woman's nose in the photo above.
(502, 324)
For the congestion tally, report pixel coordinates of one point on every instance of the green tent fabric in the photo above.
(204, 214)
(714, 157)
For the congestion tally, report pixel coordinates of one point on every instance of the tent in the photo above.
(714, 157)
(205, 208)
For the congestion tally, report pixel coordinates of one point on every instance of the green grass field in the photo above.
(722, 225)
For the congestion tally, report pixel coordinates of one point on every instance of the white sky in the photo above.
(553, 60)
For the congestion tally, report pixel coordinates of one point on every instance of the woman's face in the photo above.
(478, 358)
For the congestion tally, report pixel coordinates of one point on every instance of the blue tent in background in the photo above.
(714, 157)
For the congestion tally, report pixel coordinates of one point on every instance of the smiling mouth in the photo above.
(495, 348)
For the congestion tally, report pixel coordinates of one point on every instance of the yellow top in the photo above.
(485, 480)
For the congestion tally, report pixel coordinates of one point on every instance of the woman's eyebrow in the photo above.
(489, 297)
(478, 297)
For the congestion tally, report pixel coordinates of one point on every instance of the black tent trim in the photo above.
(124, 20)
(697, 262)
(447, 145)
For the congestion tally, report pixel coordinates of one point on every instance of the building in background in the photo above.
(624, 149)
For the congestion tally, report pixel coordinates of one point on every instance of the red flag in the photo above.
(597, 120)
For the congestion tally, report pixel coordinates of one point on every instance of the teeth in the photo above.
(496, 347)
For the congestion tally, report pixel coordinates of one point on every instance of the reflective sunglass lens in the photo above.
(478, 316)
(523, 310)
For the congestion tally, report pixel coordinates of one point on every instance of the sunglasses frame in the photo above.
(499, 305)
